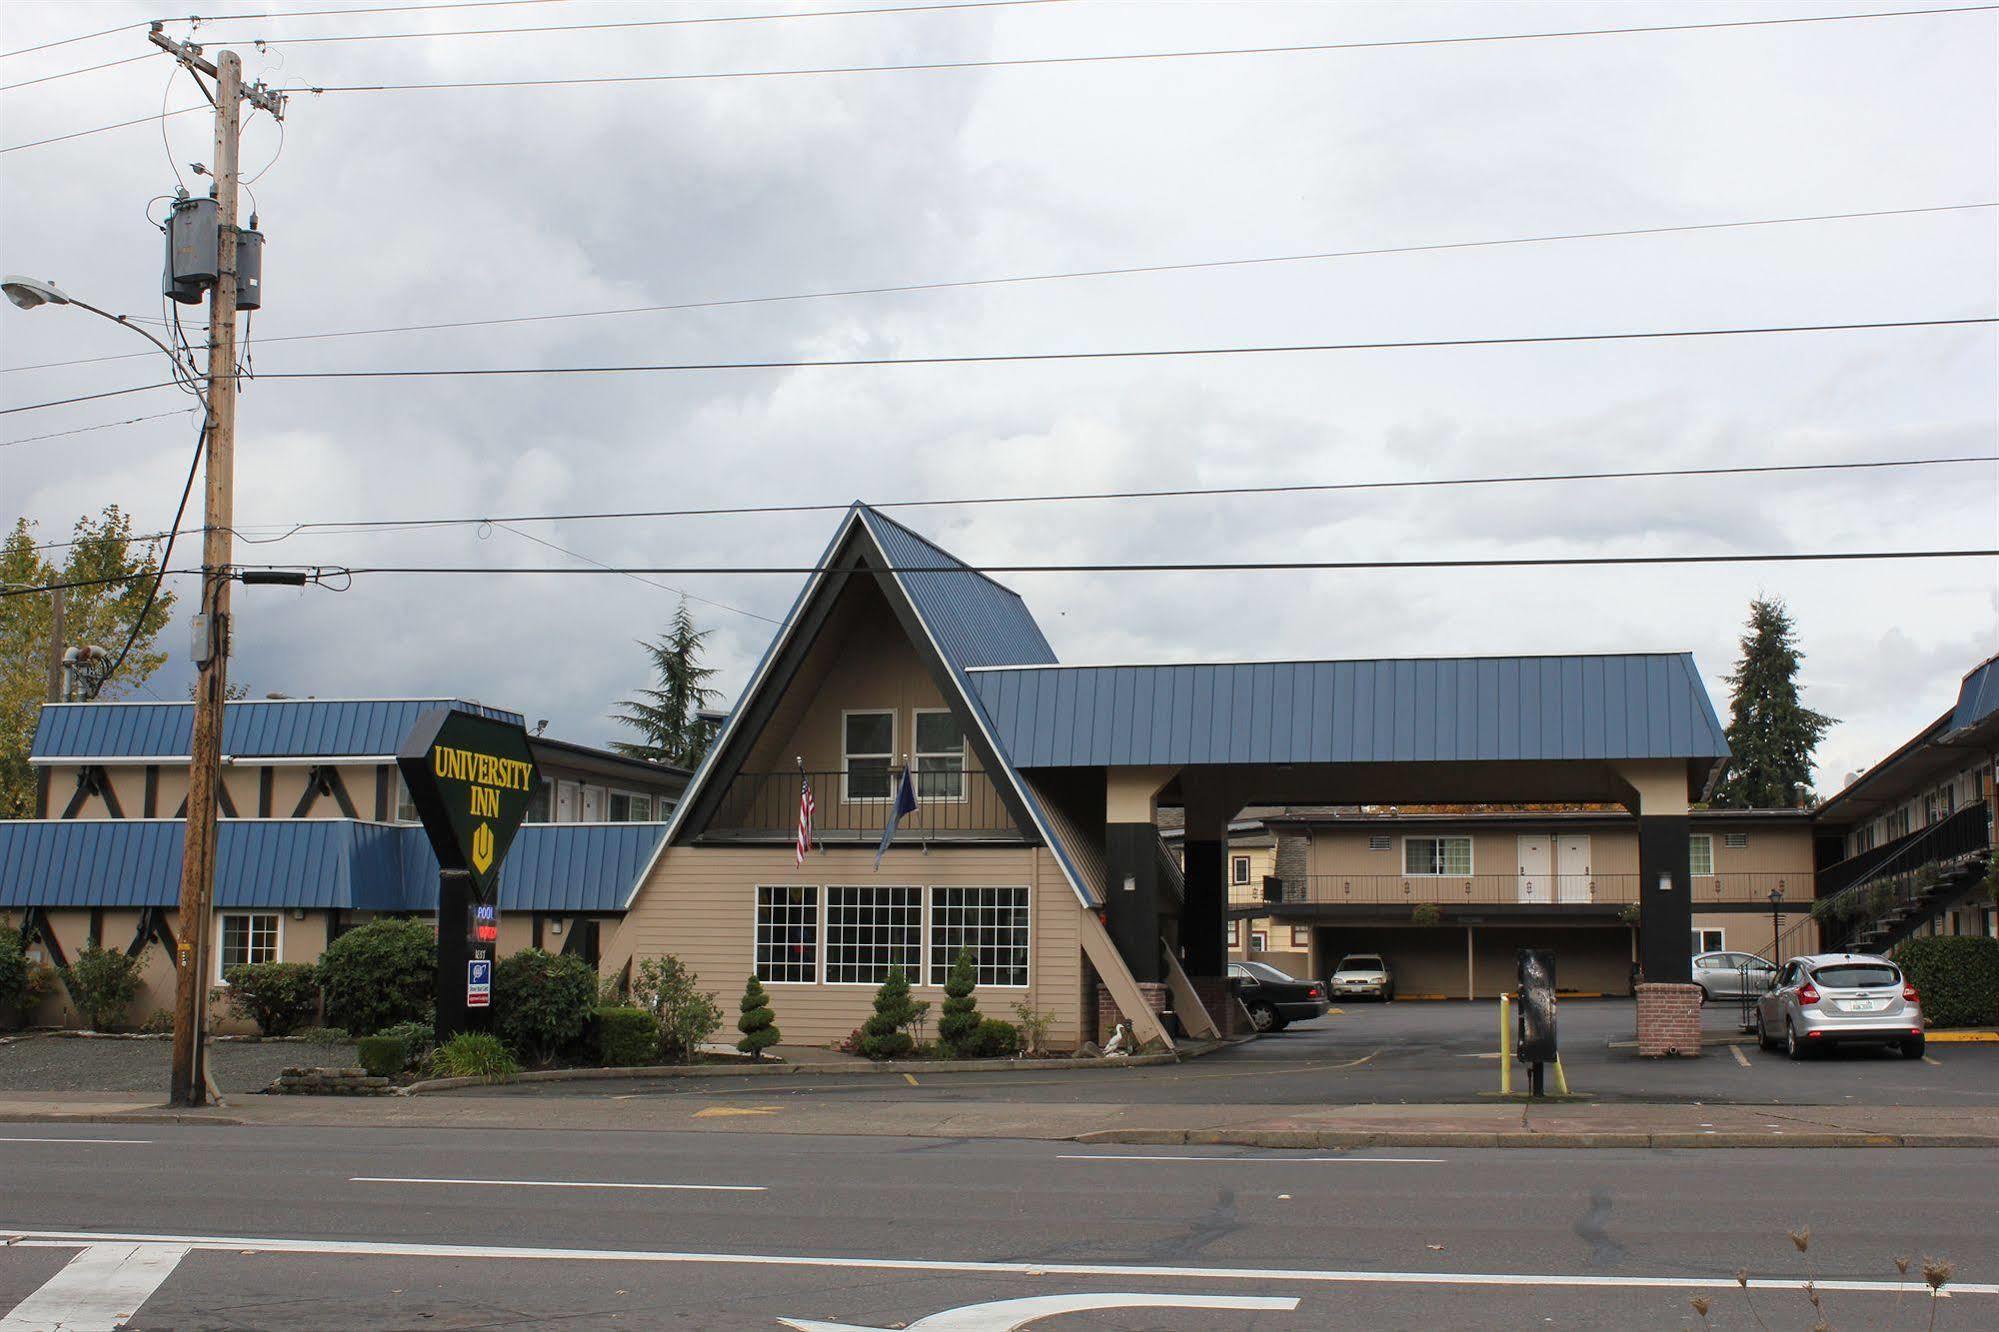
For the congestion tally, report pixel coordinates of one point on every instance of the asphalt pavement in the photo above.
(264, 1227)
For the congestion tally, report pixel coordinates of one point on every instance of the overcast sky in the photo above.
(402, 208)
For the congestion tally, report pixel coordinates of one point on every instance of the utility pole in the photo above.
(190, 1084)
(56, 692)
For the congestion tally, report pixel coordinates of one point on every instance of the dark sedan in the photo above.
(1275, 1000)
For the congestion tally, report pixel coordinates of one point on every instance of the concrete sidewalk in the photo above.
(1495, 1124)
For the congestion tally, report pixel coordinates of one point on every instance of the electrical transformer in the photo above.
(193, 250)
(249, 269)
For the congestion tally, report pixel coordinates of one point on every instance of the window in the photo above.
(940, 755)
(541, 805)
(1700, 854)
(1235, 934)
(1709, 941)
(870, 929)
(1735, 841)
(1378, 843)
(247, 937)
(1301, 936)
(630, 807)
(1259, 941)
(1238, 869)
(405, 807)
(1436, 855)
(788, 935)
(992, 922)
(870, 748)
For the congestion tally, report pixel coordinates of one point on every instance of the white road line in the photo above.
(101, 1289)
(1740, 1057)
(1275, 1160)
(559, 1184)
(1317, 1276)
(123, 1142)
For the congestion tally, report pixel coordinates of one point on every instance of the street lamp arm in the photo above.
(29, 293)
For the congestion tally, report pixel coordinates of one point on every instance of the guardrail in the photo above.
(950, 806)
(1514, 889)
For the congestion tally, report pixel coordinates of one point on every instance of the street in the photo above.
(267, 1227)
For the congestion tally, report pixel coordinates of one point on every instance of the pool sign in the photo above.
(471, 778)
(479, 983)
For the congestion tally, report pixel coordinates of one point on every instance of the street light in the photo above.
(29, 293)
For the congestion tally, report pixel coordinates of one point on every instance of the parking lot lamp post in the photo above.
(1776, 900)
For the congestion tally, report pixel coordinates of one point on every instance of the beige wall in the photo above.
(699, 904)
(288, 783)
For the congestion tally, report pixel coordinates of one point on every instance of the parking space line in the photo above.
(1932, 1061)
(100, 1289)
(1270, 1160)
(561, 1184)
(1740, 1057)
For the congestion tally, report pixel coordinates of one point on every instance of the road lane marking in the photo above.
(1011, 1315)
(120, 1142)
(560, 1184)
(975, 1267)
(1272, 1160)
(100, 1289)
(909, 1078)
(1931, 1062)
(725, 1111)
(1740, 1057)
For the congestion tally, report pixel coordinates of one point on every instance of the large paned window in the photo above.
(247, 937)
(1436, 855)
(630, 807)
(788, 934)
(869, 739)
(871, 928)
(1700, 854)
(992, 922)
(940, 756)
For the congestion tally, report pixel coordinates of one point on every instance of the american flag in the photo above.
(805, 808)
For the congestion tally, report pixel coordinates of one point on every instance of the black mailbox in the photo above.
(1537, 1005)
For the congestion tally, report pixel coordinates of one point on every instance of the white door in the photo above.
(568, 802)
(593, 804)
(1536, 867)
(1572, 872)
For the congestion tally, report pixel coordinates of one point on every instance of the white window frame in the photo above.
(847, 757)
(818, 910)
(405, 807)
(1259, 941)
(1238, 869)
(277, 939)
(918, 755)
(1707, 840)
(1702, 933)
(1235, 934)
(932, 925)
(1297, 930)
(1436, 857)
(913, 973)
(630, 798)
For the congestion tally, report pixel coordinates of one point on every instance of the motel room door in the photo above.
(1536, 867)
(1572, 876)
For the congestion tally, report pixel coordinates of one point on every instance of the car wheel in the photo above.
(1912, 1048)
(1280, 1024)
(1792, 1045)
(1388, 995)
(1263, 1017)
(1706, 998)
(1763, 1041)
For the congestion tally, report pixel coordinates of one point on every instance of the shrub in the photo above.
(13, 969)
(1426, 913)
(623, 1037)
(473, 1054)
(278, 996)
(382, 1056)
(1035, 1025)
(541, 1002)
(687, 1015)
(418, 1038)
(159, 1022)
(959, 1024)
(1630, 914)
(886, 1034)
(326, 1035)
(1958, 976)
(379, 974)
(995, 1039)
(103, 982)
(757, 1022)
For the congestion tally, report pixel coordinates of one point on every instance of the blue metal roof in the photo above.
(251, 728)
(315, 864)
(1402, 711)
(1978, 696)
(976, 621)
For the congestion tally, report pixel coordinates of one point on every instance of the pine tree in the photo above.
(1771, 733)
(885, 1035)
(670, 721)
(959, 1025)
(757, 1023)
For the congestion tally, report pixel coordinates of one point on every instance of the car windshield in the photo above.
(1857, 975)
(1262, 971)
(1361, 962)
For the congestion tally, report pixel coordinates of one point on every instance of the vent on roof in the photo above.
(1377, 843)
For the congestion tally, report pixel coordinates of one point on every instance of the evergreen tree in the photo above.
(668, 716)
(757, 1023)
(960, 1021)
(886, 1035)
(1771, 733)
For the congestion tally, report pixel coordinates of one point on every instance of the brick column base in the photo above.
(1669, 1020)
(1218, 997)
(1157, 998)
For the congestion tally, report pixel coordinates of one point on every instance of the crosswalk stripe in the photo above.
(99, 1290)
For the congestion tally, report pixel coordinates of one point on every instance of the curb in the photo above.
(888, 1068)
(1962, 1037)
(118, 1117)
(1303, 1139)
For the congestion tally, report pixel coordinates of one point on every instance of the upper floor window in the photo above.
(1238, 869)
(940, 755)
(630, 807)
(1436, 855)
(1700, 854)
(405, 807)
(869, 749)
(541, 805)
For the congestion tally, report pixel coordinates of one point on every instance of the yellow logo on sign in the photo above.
(482, 847)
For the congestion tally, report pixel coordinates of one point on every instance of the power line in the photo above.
(1005, 358)
(575, 554)
(1017, 279)
(84, 430)
(146, 608)
(72, 73)
(100, 129)
(81, 37)
(291, 13)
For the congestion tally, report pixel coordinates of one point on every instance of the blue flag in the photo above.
(905, 803)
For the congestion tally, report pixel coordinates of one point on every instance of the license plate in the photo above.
(1860, 1005)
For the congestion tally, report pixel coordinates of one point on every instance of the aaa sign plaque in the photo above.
(470, 778)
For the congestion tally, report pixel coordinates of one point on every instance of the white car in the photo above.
(1363, 974)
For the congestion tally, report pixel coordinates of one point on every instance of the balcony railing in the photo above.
(950, 806)
(1555, 890)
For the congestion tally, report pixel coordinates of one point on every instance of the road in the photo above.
(261, 1227)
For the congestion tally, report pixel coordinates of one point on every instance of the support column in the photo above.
(1665, 906)
(1203, 929)
(1132, 889)
(1471, 967)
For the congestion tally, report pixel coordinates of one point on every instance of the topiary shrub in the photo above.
(103, 982)
(623, 1037)
(687, 1015)
(418, 1038)
(1426, 913)
(13, 970)
(886, 1034)
(1957, 976)
(379, 974)
(757, 1022)
(382, 1056)
(541, 1002)
(278, 996)
(473, 1054)
(958, 1025)
(995, 1039)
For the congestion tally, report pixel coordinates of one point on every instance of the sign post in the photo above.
(471, 778)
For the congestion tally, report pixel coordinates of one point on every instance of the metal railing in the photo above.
(950, 806)
(1900, 886)
(1514, 889)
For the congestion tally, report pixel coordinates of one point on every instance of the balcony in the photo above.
(950, 807)
(1557, 891)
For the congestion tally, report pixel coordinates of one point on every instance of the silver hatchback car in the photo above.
(1829, 999)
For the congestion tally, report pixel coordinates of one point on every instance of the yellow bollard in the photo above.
(1561, 1078)
(1506, 1045)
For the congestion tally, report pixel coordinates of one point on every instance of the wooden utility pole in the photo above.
(192, 965)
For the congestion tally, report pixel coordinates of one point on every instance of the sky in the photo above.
(393, 208)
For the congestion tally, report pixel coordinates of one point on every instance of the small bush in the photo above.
(995, 1039)
(958, 1026)
(757, 1022)
(473, 1054)
(103, 982)
(687, 1015)
(1034, 1024)
(418, 1038)
(541, 1002)
(886, 1034)
(382, 1056)
(623, 1037)
(278, 996)
(13, 968)
(159, 1022)
(379, 974)
(326, 1035)
(1957, 975)
(1426, 913)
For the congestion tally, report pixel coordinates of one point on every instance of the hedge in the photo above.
(1957, 975)
(278, 996)
(379, 974)
(382, 1056)
(623, 1037)
(541, 1002)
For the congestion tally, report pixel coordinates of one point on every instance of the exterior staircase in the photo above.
(1925, 875)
